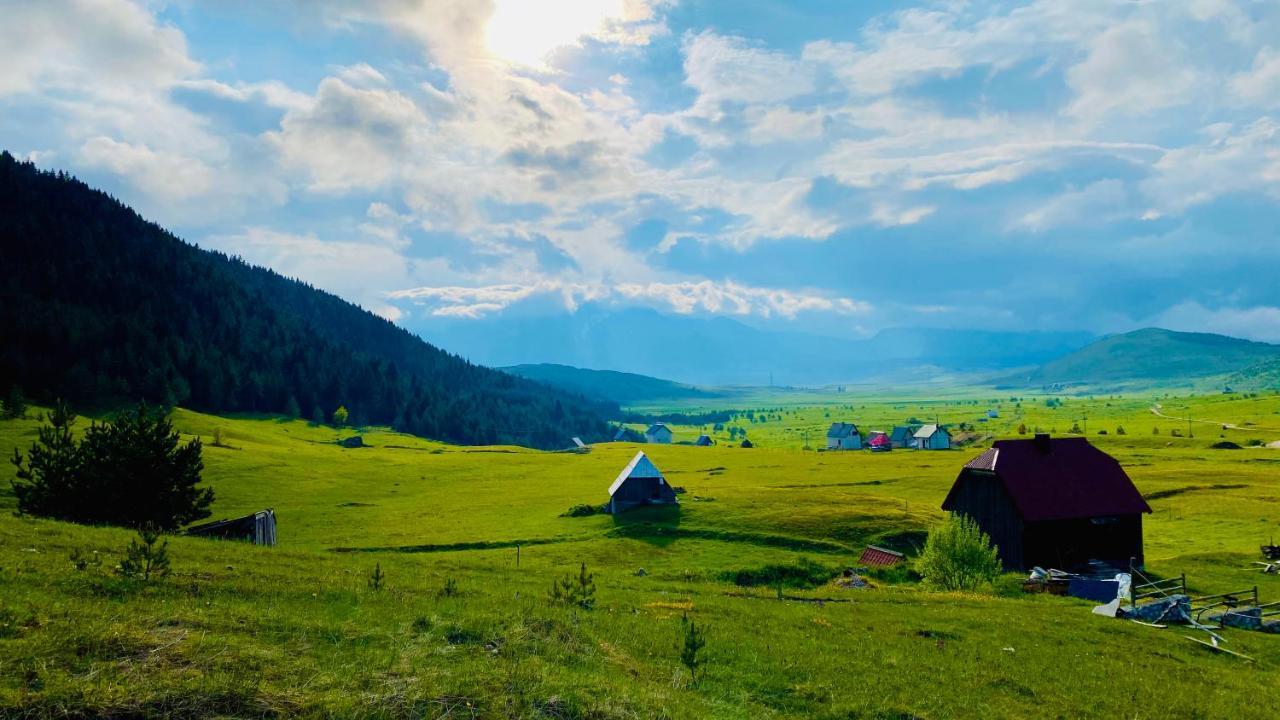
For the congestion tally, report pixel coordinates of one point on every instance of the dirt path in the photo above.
(1156, 410)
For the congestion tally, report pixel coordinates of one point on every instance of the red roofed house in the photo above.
(1052, 502)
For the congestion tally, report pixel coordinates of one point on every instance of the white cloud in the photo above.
(166, 176)
(729, 69)
(1133, 68)
(1255, 323)
(1230, 160)
(1097, 203)
(1260, 85)
(94, 46)
(349, 137)
(682, 297)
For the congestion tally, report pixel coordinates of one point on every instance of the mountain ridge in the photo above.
(114, 308)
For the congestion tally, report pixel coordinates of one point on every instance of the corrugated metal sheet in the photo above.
(879, 557)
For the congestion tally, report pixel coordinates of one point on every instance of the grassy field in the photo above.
(296, 629)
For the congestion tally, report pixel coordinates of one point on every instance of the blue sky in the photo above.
(1093, 165)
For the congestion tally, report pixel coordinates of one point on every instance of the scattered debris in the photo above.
(1272, 551)
(851, 580)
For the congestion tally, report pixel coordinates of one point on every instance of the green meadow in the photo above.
(471, 539)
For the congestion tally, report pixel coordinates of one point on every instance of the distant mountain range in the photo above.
(619, 387)
(722, 351)
(102, 307)
(1154, 355)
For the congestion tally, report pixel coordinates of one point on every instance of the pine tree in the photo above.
(14, 404)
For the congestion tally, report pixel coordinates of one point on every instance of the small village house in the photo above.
(1052, 503)
(704, 441)
(932, 437)
(640, 483)
(903, 436)
(658, 433)
(843, 436)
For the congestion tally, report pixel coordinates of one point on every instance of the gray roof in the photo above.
(656, 428)
(640, 466)
(930, 430)
(842, 430)
(901, 433)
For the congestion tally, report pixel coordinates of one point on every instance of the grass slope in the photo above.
(1153, 355)
(619, 387)
(296, 631)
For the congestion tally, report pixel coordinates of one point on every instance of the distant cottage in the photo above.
(843, 436)
(932, 437)
(658, 433)
(993, 413)
(902, 437)
(620, 435)
(746, 443)
(704, 441)
(640, 483)
(1052, 502)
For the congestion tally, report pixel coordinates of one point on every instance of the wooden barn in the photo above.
(640, 483)
(1052, 503)
(258, 528)
(932, 437)
(658, 433)
(843, 436)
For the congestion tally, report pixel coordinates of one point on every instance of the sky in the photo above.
(1094, 165)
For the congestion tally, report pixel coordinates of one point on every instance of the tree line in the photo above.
(105, 309)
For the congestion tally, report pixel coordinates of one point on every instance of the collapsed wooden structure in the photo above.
(258, 528)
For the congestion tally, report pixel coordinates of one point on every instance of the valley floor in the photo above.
(471, 539)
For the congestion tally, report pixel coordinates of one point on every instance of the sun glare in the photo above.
(527, 31)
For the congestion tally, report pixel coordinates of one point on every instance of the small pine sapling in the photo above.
(146, 560)
(577, 591)
(694, 641)
(377, 578)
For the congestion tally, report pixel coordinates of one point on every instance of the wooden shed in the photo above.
(704, 441)
(1052, 503)
(640, 483)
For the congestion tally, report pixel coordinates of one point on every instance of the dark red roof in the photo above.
(1072, 480)
(879, 557)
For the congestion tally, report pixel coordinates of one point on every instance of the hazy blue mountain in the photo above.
(1154, 355)
(620, 387)
(723, 351)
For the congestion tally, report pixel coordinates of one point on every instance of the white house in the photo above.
(844, 436)
(933, 437)
(658, 433)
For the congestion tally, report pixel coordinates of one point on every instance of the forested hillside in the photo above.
(101, 306)
(620, 387)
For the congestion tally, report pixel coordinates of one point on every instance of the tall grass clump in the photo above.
(958, 556)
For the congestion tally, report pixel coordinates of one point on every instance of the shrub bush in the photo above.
(958, 556)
